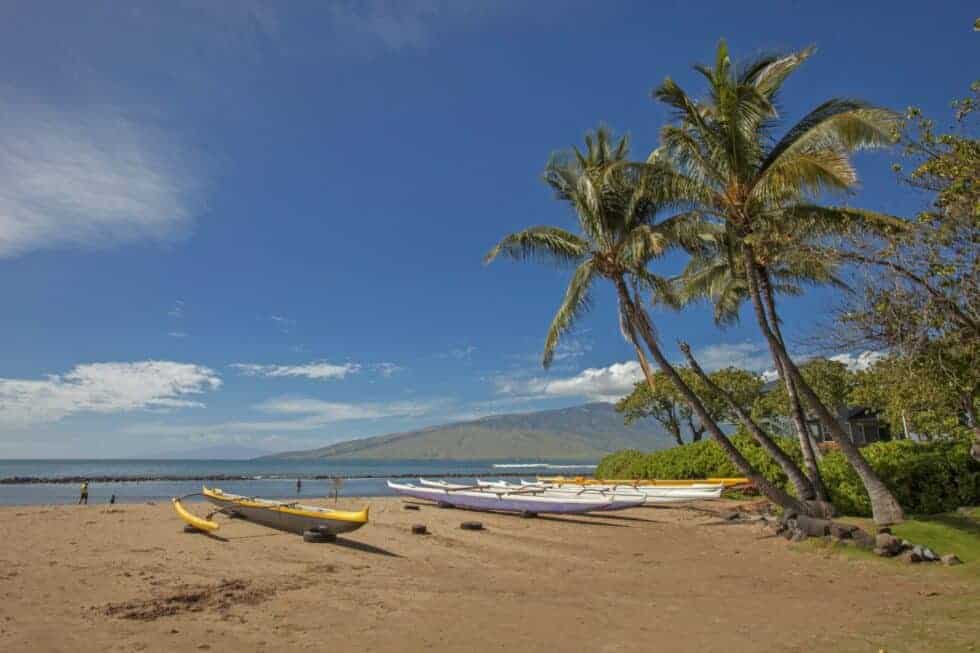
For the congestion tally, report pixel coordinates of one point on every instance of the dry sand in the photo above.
(129, 579)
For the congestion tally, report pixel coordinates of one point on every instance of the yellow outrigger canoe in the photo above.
(581, 480)
(281, 515)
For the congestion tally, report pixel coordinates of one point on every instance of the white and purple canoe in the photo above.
(507, 500)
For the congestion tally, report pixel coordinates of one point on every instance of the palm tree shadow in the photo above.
(569, 520)
(364, 547)
(624, 518)
(955, 521)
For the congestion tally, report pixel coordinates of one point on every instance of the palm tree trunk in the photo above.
(635, 319)
(804, 489)
(884, 507)
(796, 408)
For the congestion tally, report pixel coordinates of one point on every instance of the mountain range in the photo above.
(579, 433)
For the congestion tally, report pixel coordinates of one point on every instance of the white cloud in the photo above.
(861, 361)
(177, 312)
(177, 334)
(87, 179)
(105, 388)
(283, 323)
(324, 412)
(597, 384)
(317, 370)
(750, 356)
(388, 370)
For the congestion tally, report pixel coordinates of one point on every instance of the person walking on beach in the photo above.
(299, 486)
(83, 497)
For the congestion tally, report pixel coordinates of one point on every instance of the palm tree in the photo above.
(616, 204)
(714, 273)
(727, 161)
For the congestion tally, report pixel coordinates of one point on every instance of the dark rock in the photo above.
(883, 529)
(909, 556)
(929, 555)
(812, 526)
(950, 559)
(471, 526)
(419, 529)
(842, 531)
(728, 515)
(863, 539)
(888, 543)
(410, 506)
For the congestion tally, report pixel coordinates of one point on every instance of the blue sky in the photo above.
(263, 223)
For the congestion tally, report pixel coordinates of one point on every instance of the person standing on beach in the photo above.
(83, 497)
(299, 486)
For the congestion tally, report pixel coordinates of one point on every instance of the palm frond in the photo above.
(577, 301)
(541, 243)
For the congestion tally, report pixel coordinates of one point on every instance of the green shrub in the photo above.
(926, 478)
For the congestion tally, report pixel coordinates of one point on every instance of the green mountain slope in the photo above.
(579, 433)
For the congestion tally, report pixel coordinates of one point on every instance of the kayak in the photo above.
(525, 501)
(205, 525)
(287, 516)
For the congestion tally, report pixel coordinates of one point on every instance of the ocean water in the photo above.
(24, 482)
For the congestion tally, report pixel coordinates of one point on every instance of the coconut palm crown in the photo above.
(615, 203)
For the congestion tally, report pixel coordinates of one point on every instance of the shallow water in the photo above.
(159, 480)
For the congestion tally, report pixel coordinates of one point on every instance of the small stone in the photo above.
(728, 515)
(929, 555)
(471, 526)
(410, 506)
(419, 529)
(883, 529)
(950, 559)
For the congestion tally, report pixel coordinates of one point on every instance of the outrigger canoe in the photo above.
(205, 525)
(581, 480)
(527, 502)
(286, 515)
(650, 493)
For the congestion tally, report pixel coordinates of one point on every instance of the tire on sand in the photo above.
(318, 537)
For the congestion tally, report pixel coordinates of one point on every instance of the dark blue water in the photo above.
(162, 479)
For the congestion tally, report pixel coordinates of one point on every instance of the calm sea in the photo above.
(52, 481)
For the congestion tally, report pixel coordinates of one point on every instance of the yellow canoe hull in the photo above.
(726, 482)
(287, 516)
(191, 519)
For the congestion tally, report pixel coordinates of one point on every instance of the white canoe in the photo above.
(653, 493)
(529, 501)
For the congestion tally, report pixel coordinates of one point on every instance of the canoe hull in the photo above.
(503, 502)
(283, 519)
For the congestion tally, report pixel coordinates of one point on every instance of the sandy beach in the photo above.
(127, 578)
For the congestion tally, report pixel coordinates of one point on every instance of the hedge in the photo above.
(926, 478)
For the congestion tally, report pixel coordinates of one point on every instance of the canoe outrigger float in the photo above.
(581, 480)
(281, 515)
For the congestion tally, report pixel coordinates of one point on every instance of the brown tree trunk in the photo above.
(884, 507)
(804, 489)
(697, 430)
(635, 319)
(796, 408)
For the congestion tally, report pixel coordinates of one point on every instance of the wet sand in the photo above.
(127, 578)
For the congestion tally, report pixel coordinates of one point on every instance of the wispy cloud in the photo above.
(596, 384)
(387, 370)
(751, 356)
(89, 179)
(177, 334)
(860, 361)
(317, 370)
(463, 353)
(283, 323)
(177, 312)
(105, 388)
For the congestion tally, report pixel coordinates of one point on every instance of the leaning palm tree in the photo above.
(727, 160)
(714, 273)
(616, 204)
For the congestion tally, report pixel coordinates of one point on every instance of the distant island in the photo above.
(576, 434)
